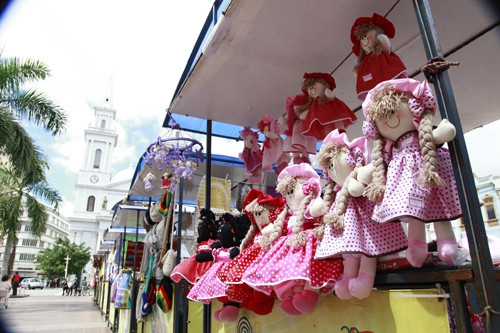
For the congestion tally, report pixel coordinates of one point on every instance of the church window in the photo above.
(103, 123)
(97, 158)
(489, 208)
(90, 203)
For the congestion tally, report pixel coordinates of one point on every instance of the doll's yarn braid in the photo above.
(266, 242)
(299, 238)
(248, 240)
(430, 176)
(376, 189)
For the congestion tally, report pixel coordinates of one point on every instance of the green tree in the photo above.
(18, 103)
(53, 262)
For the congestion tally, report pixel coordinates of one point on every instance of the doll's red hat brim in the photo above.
(376, 19)
(325, 76)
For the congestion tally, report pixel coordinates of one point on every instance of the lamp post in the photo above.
(66, 269)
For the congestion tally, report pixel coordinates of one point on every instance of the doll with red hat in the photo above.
(262, 209)
(323, 112)
(273, 145)
(289, 266)
(297, 144)
(413, 179)
(251, 155)
(348, 230)
(376, 60)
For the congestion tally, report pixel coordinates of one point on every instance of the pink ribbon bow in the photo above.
(311, 185)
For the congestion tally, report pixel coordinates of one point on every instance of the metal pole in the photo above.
(207, 309)
(181, 303)
(488, 296)
(133, 319)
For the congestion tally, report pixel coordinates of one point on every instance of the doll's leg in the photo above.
(362, 286)
(417, 247)
(256, 177)
(446, 242)
(306, 301)
(228, 313)
(351, 269)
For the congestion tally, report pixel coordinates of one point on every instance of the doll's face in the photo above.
(367, 41)
(338, 170)
(316, 90)
(249, 141)
(261, 218)
(397, 124)
(295, 196)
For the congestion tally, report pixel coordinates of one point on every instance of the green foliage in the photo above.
(52, 261)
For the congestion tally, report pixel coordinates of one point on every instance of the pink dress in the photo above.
(208, 286)
(377, 68)
(361, 235)
(320, 116)
(251, 158)
(297, 141)
(285, 262)
(404, 197)
(190, 269)
(272, 151)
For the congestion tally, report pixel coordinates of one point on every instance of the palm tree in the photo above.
(19, 195)
(18, 103)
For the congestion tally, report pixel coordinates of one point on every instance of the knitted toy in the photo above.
(323, 112)
(230, 233)
(418, 184)
(289, 265)
(273, 145)
(149, 182)
(376, 60)
(297, 144)
(348, 229)
(193, 268)
(262, 209)
(251, 155)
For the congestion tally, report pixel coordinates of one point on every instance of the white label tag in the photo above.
(367, 77)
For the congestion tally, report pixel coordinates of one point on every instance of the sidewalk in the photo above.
(48, 311)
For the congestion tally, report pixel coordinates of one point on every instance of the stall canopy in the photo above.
(251, 55)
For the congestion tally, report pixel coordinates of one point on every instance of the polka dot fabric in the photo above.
(404, 197)
(361, 235)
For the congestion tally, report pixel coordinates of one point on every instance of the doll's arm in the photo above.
(384, 42)
(329, 93)
(444, 132)
(234, 252)
(355, 188)
(300, 114)
(204, 257)
(365, 174)
(269, 134)
(318, 208)
(268, 229)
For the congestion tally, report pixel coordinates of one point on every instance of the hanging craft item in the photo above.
(174, 155)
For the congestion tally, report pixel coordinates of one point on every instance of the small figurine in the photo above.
(251, 155)
(273, 145)
(149, 182)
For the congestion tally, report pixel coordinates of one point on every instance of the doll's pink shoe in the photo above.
(416, 253)
(306, 160)
(284, 290)
(362, 286)
(289, 308)
(297, 160)
(306, 301)
(447, 250)
(342, 287)
(228, 313)
(216, 314)
(280, 167)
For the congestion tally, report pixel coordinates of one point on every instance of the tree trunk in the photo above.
(6, 257)
(12, 257)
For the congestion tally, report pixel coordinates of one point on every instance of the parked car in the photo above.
(31, 283)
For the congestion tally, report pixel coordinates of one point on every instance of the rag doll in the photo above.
(230, 233)
(297, 144)
(166, 180)
(273, 145)
(251, 155)
(376, 60)
(348, 229)
(262, 209)
(149, 182)
(160, 154)
(289, 265)
(195, 266)
(323, 112)
(413, 178)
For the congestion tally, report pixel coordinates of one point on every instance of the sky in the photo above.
(136, 54)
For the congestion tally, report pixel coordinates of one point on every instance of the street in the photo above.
(47, 310)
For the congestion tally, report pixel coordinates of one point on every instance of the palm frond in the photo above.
(15, 72)
(38, 214)
(43, 191)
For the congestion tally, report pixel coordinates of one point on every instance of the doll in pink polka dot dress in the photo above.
(289, 266)
(348, 230)
(418, 184)
(262, 209)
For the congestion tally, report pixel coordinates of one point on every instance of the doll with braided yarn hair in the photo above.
(348, 230)
(376, 60)
(289, 266)
(413, 178)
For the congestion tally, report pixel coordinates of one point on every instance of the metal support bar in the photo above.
(207, 309)
(472, 218)
(180, 304)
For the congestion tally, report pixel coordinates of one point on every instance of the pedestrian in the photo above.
(5, 290)
(84, 283)
(16, 278)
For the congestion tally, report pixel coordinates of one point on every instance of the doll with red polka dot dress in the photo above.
(251, 155)
(289, 266)
(230, 233)
(297, 144)
(323, 112)
(376, 60)
(412, 175)
(273, 145)
(262, 209)
(348, 230)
